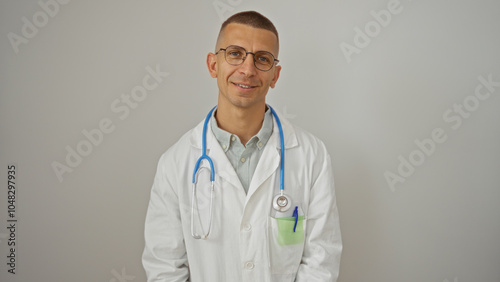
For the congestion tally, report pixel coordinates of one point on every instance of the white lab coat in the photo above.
(242, 244)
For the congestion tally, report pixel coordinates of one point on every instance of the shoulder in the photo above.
(306, 138)
(308, 141)
(180, 149)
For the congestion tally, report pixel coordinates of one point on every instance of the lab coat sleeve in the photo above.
(323, 243)
(164, 257)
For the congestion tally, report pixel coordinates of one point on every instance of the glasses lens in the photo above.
(264, 60)
(235, 55)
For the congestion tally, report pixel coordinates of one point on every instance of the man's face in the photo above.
(244, 86)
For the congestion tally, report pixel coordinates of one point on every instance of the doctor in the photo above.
(233, 232)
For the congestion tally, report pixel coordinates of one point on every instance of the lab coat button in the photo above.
(249, 265)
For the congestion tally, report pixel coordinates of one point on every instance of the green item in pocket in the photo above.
(286, 236)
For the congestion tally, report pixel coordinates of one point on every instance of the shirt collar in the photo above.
(261, 138)
(222, 136)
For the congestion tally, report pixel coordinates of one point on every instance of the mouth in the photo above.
(244, 86)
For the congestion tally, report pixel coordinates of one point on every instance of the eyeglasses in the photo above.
(236, 55)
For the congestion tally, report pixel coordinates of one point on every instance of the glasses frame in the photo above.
(275, 62)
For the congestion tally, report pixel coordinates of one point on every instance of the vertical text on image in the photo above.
(12, 227)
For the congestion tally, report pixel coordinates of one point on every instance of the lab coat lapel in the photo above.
(223, 167)
(270, 160)
(268, 164)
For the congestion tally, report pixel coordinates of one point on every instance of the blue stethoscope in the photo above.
(281, 202)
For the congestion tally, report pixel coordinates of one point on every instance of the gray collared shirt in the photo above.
(244, 158)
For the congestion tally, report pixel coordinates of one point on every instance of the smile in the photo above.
(243, 85)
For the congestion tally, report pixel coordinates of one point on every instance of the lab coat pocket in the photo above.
(290, 232)
(285, 245)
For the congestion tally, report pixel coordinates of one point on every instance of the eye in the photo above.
(235, 53)
(263, 59)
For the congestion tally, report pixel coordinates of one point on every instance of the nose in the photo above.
(248, 67)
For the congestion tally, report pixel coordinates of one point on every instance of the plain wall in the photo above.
(415, 74)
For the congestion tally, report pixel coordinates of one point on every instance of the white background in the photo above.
(441, 224)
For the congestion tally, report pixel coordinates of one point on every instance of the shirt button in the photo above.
(248, 227)
(224, 146)
(243, 160)
(249, 265)
(259, 144)
(233, 138)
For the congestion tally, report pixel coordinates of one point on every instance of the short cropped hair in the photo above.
(251, 18)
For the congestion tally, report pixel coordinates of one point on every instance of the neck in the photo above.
(243, 122)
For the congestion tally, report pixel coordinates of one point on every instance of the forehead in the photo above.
(250, 38)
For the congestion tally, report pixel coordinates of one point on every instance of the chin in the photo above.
(243, 100)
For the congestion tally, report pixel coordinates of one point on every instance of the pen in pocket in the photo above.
(296, 215)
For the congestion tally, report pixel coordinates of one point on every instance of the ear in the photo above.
(212, 64)
(276, 76)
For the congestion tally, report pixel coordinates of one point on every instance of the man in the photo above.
(235, 232)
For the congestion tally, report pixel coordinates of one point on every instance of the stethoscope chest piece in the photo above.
(282, 203)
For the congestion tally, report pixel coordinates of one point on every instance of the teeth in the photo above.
(244, 86)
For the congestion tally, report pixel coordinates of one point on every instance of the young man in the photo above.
(246, 228)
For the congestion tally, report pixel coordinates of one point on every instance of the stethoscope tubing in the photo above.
(204, 149)
(282, 144)
(276, 201)
(206, 157)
